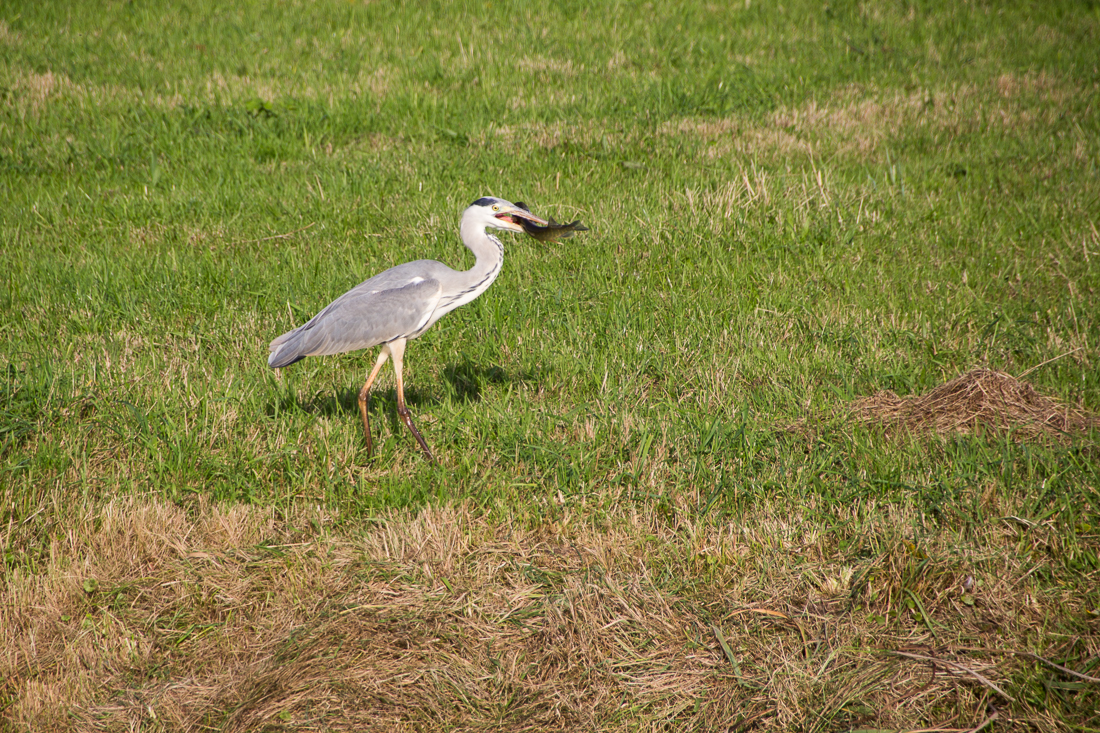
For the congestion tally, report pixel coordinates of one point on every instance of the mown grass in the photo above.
(791, 206)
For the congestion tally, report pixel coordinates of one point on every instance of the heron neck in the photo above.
(487, 248)
(490, 256)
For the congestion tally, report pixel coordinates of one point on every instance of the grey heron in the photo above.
(402, 303)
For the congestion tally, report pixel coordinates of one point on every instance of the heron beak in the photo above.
(509, 218)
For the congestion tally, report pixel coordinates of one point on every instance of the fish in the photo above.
(553, 231)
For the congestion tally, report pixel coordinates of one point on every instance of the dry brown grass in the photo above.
(980, 400)
(857, 121)
(37, 94)
(238, 619)
(7, 36)
(546, 65)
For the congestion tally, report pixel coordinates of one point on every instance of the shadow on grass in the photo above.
(345, 404)
(465, 382)
(468, 380)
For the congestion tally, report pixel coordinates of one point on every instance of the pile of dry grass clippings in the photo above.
(980, 400)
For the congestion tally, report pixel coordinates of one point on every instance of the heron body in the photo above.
(402, 303)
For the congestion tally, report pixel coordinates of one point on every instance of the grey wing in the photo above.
(358, 319)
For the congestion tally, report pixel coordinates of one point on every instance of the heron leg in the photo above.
(397, 351)
(364, 395)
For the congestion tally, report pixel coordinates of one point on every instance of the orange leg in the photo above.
(397, 351)
(364, 395)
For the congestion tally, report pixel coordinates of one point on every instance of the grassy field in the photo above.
(654, 508)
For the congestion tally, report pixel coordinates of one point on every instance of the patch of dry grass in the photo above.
(37, 89)
(546, 65)
(36, 94)
(7, 36)
(241, 619)
(856, 121)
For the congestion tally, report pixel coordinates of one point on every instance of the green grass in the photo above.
(791, 206)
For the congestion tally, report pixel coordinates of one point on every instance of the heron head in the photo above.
(494, 213)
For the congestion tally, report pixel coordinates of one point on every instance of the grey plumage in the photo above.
(397, 303)
(404, 302)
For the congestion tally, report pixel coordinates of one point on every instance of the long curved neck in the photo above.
(490, 256)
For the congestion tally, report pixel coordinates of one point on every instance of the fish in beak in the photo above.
(550, 231)
(518, 218)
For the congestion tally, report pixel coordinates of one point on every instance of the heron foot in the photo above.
(406, 417)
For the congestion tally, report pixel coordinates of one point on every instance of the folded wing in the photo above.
(365, 316)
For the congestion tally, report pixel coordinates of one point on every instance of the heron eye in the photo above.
(496, 207)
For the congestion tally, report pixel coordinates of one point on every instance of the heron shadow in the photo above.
(468, 380)
(465, 381)
(345, 402)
